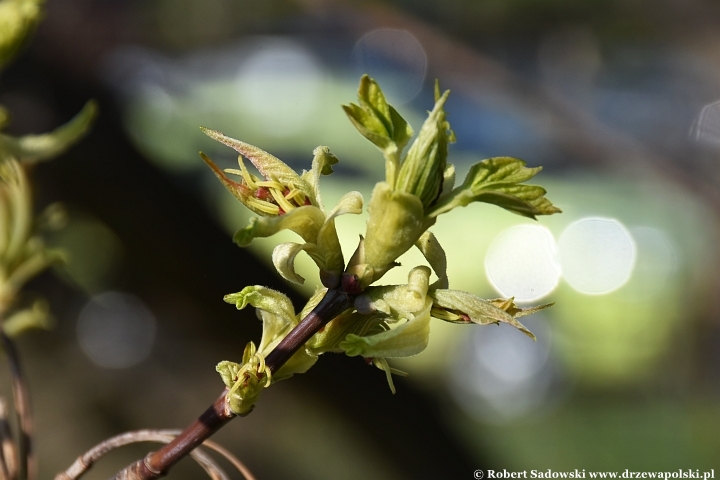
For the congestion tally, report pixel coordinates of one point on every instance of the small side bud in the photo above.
(351, 284)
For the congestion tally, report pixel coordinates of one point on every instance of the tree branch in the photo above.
(333, 304)
(8, 452)
(157, 464)
(26, 460)
(88, 459)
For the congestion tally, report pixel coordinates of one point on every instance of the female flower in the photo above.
(286, 200)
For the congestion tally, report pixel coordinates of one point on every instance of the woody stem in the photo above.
(157, 464)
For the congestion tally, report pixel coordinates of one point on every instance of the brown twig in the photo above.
(158, 463)
(84, 462)
(228, 456)
(333, 304)
(26, 459)
(8, 453)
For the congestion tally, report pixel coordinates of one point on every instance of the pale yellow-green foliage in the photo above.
(23, 253)
(18, 19)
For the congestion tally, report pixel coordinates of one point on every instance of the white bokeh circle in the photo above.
(597, 255)
(522, 263)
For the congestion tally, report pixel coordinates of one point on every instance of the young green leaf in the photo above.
(456, 306)
(263, 298)
(435, 255)
(323, 161)
(498, 181)
(380, 123)
(407, 339)
(283, 258)
(377, 120)
(305, 221)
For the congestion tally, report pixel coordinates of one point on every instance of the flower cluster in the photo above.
(383, 321)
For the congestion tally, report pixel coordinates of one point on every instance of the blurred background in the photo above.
(618, 100)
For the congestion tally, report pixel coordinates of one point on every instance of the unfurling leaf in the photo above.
(322, 164)
(377, 120)
(305, 221)
(263, 298)
(283, 258)
(498, 181)
(380, 123)
(422, 171)
(462, 307)
(407, 339)
(435, 255)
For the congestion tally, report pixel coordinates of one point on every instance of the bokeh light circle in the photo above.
(706, 129)
(522, 263)
(597, 255)
(655, 265)
(396, 59)
(280, 85)
(116, 330)
(497, 376)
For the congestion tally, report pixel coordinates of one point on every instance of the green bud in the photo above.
(422, 171)
(395, 224)
(278, 317)
(244, 382)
